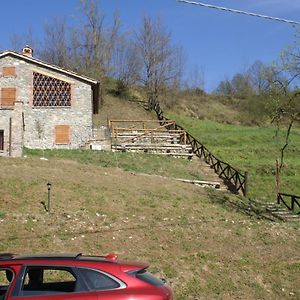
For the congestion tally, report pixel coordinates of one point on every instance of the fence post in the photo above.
(246, 185)
(293, 203)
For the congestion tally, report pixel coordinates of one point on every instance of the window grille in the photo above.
(51, 92)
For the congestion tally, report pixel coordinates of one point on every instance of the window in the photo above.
(6, 277)
(147, 277)
(1, 140)
(8, 97)
(98, 281)
(62, 134)
(9, 71)
(49, 280)
(50, 92)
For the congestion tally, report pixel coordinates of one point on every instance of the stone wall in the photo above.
(38, 123)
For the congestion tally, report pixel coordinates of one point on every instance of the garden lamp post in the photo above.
(49, 195)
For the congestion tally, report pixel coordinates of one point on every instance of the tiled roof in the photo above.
(49, 66)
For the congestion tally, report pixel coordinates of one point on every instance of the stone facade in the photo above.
(26, 125)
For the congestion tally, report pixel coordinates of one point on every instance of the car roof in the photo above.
(110, 258)
(56, 256)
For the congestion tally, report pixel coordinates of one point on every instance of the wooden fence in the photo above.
(292, 202)
(234, 179)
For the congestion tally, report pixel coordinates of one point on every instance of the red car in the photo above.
(64, 277)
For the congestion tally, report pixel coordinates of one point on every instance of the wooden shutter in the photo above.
(62, 134)
(8, 97)
(9, 71)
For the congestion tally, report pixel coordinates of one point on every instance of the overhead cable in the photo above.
(240, 12)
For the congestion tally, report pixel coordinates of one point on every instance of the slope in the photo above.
(187, 233)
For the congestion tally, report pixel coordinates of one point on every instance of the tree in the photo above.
(195, 79)
(225, 88)
(161, 62)
(261, 76)
(56, 49)
(239, 86)
(285, 93)
(18, 41)
(125, 65)
(93, 43)
(87, 48)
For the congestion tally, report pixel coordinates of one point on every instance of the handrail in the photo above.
(136, 122)
(235, 180)
(294, 202)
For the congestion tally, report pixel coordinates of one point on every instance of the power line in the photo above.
(240, 12)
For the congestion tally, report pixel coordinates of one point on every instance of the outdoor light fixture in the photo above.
(49, 195)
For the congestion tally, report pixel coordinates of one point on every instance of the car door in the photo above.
(49, 282)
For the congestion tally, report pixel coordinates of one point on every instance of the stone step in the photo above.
(275, 209)
(175, 154)
(156, 147)
(156, 134)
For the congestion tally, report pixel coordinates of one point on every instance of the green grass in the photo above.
(134, 162)
(252, 149)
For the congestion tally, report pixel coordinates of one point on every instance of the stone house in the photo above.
(43, 106)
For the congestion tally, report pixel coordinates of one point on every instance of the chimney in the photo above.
(27, 51)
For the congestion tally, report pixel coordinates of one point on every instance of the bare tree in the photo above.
(93, 43)
(55, 48)
(161, 64)
(196, 78)
(18, 41)
(261, 76)
(125, 65)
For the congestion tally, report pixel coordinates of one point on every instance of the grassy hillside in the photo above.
(197, 104)
(252, 149)
(132, 162)
(189, 235)
(117, 108)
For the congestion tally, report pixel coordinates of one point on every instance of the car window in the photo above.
(98, 281)
(48, 280)
(6, 276)
(147, 277)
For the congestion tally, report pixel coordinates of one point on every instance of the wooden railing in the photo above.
(293, 202)
(234, 179)
(135, 124)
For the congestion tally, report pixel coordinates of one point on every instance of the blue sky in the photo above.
(220, 43)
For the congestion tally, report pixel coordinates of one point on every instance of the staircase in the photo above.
(275, 211)
(281, 213)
